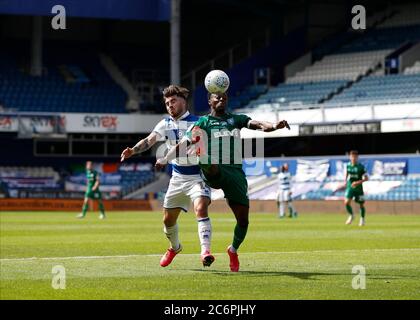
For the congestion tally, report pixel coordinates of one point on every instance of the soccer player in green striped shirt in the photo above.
(355, 176)
(217, 141)
(92, 191)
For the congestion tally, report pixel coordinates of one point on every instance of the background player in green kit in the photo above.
(355, 176)
(216, 138)
(92, 191)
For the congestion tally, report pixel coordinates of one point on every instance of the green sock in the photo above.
(290, 212)
(349, 209)
(101, 207)
(362, 212)
(239, 236)
(84, 209)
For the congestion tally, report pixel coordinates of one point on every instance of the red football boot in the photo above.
(234, 261)
(169, 256)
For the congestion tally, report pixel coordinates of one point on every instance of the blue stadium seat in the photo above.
(51, 92)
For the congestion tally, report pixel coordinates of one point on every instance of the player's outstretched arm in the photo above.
(141, 146)
(180, 148)
(267, 126)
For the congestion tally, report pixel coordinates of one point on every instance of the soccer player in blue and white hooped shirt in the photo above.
(186, 184)
(284, 196)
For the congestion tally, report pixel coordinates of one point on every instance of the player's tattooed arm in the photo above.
(141, 146)
(267, 126)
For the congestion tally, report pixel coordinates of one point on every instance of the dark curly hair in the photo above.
(174, 90)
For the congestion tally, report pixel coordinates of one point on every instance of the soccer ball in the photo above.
(216, 81)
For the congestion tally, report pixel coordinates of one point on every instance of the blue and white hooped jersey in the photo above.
(284, 180)
(173, 131)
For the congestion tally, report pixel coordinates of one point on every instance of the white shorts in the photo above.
(284, 195)
(184, 189)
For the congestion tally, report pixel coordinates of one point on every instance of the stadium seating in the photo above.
(135, 180)
(347, 66)
(28, 172)
(292, 94)
(72, 81)
(14, 179)
(355, 57)
(408, 189)
(414, 69)
(383, 39)
(323, 179)
(402, 26)
(381, 89)
(246, 95)
(121, 182)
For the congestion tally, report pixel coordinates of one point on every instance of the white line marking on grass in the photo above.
(193, 254)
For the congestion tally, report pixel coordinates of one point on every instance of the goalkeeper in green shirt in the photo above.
(217, 141)
(92, 191)
(355, 176)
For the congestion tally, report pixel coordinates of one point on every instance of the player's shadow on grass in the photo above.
(299, 275)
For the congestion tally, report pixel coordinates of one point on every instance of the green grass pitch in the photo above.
(118, 258)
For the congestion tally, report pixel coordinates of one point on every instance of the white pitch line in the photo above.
(193, 254)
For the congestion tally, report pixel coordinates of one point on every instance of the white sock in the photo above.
(172, 235)
(204, 234)
(281, 209)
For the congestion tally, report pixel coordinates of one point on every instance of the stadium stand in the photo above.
(295, 94)
(147, 74)
(399, 88)
(354, 73)
(72, 81)
(246, 95)
(28, 172)
(414, 69)
(321, 80)
(18, 181)
(393, 188)
(118, 180)
(383, 39)
(13, 179)
(347, 66)
(313, 180)
(316, 180)
(401, 188)
(404, 188)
